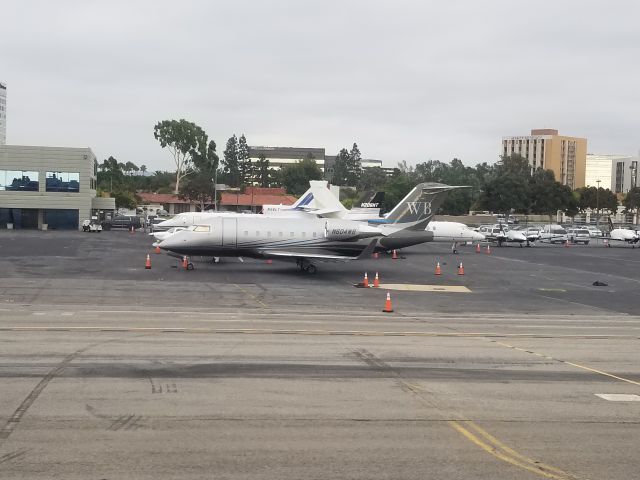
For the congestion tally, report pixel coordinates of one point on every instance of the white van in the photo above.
(553, 234)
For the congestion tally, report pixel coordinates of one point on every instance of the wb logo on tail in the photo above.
(416, 208)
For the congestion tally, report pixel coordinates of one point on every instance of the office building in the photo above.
(545, 148)
(3, 113)
(280, 156)
(624, 174)
(49, 187)
(598, 167)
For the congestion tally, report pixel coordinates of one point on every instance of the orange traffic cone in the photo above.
(460, 269)
(387, 305)
(365, 281)
(269, 261)
(488, 251)
(566, 243)
(394, 255)
(376, 281)
(376, 255)
(157, 250)
(148, 264)
(185, 263)
(131, 230)
(438, 269)
(478, 248)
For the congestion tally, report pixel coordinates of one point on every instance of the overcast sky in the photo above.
(406, 80)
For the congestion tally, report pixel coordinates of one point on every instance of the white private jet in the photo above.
(624, 235)
(453, 232)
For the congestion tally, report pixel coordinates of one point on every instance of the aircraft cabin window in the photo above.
(202, 228)
(315, 234)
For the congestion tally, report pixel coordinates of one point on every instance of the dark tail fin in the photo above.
(418, 207)
(370, 199)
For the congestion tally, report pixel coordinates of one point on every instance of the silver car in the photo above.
(578, 235)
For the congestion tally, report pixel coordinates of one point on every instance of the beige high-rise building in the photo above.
(545, 148)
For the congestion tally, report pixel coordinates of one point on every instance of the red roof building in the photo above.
(254, 198)
(170, 202)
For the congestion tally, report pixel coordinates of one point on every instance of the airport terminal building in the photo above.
(49, 188)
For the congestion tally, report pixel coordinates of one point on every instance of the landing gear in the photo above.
(454, 248)
(306, 266)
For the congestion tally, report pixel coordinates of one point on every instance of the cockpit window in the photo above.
(202, 228)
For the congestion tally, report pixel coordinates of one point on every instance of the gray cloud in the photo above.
(406, 80)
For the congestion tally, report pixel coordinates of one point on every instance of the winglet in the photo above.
(369, 250)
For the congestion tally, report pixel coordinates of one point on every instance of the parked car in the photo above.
(553, 234)
(578, 235)
(122, 221)
(594, 231)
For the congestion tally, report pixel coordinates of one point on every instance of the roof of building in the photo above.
(161, 198)
(258, 196)
(296, 153)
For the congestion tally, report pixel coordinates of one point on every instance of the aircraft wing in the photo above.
(321, 256)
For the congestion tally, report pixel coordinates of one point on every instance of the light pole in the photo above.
(598, 204)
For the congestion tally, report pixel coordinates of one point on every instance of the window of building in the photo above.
(62, 182)
(19, 181)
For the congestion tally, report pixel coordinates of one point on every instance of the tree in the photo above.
(296, 177)
(182, 138)
(348, 167)
(231, 165)
(549, 196)
(632, 201)
(262, 171)
(505, 193)
(244, 161)
(199, 186)
(110, 174)
(372, 179)
(143, 169)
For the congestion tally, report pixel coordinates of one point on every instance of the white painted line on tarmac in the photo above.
(619, 397)
(408, 287)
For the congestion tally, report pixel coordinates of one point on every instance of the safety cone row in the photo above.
(488, 251)
(460, 269)
(269, 261)
(365, 281)
(376, 281)
(376, 255)
(157, 250)
(394, 255)
(185, 263)
(387, 304)
(566, 243)
(477, 248)
(147, 265)
(438, 269)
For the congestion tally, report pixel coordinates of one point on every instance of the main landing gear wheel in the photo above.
(305, 266)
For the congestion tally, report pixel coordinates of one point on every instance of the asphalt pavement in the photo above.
(243, 369)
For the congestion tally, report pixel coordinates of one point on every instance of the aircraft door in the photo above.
(229, 229)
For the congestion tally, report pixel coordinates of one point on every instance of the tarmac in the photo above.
(519, 369)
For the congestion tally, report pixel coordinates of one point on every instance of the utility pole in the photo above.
(598, 204)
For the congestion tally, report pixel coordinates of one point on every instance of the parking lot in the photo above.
(243, 369)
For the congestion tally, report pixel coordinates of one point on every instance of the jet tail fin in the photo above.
(370, 199)
(416, 210)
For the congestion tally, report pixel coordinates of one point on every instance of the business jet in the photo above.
(454, 233)
(623, 235)
(309, 240)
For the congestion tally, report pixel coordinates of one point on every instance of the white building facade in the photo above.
(3, 113)
(598, 167)
(624, 174)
